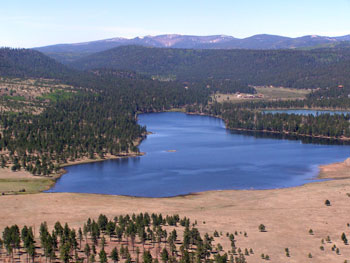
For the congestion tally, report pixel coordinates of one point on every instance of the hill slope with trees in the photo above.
(290, 68)
(22, 63)
(98, 117)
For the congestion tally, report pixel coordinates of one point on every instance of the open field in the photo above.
(288, 215)
(272, 93)
(30, 95)
(29, 88)
(16, 182)
(24, 185)
(22, 182)
(264, 93)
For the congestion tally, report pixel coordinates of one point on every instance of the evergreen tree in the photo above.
(103, 256)
(147, 257)
(114, 255)
(164, 255)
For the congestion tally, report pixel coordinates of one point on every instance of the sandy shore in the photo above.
(106, 157)
(335, 170)
(6, 173)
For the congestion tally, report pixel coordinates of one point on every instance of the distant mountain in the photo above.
(325, 67)
(174, 41)
(69, 52)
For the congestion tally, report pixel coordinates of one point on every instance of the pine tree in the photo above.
(343, 237)
(87, 251)
(103, 256)
(65, 252)
(114, 255)
(147, 257)
(164, 255)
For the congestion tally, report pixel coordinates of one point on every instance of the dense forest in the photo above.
(318, 68)
(98, 117)
(26, 62)
(98, 120)
(136, 238)
(241, 117)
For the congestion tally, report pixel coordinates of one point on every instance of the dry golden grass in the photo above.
(288, 214)
(16, 182)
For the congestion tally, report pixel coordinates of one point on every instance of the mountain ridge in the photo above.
(161, 41)
(66, 53)
(290, 68)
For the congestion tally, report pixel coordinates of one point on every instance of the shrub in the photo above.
(262, 228)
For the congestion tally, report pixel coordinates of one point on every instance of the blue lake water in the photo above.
(307, 112)
(207, 157)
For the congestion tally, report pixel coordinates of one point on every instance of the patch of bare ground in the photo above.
(288, 215)
(29, 95)
(6, 173)
(335, 170)
(263, 93)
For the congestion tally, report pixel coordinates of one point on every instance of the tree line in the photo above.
(324, 125)
(126, 238)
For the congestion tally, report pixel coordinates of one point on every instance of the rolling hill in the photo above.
(29, 63)
(69, 52)
(290, 68)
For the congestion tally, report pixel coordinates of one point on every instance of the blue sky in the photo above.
(25, 23)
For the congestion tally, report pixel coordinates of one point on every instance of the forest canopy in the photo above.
(97, 115)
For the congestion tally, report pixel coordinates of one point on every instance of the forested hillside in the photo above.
(92, 114)
(99, 119)
(29, 63)
(290, 68)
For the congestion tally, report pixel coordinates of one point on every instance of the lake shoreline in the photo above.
(328, 171)
(287, 213)
(338, 170)
(341, 139)
(315, 176)
(7, 175)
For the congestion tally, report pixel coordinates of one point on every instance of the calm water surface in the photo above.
(207, 157)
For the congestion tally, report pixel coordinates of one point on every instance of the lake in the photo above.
(191, 153)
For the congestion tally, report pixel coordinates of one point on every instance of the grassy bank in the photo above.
(25, 185)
